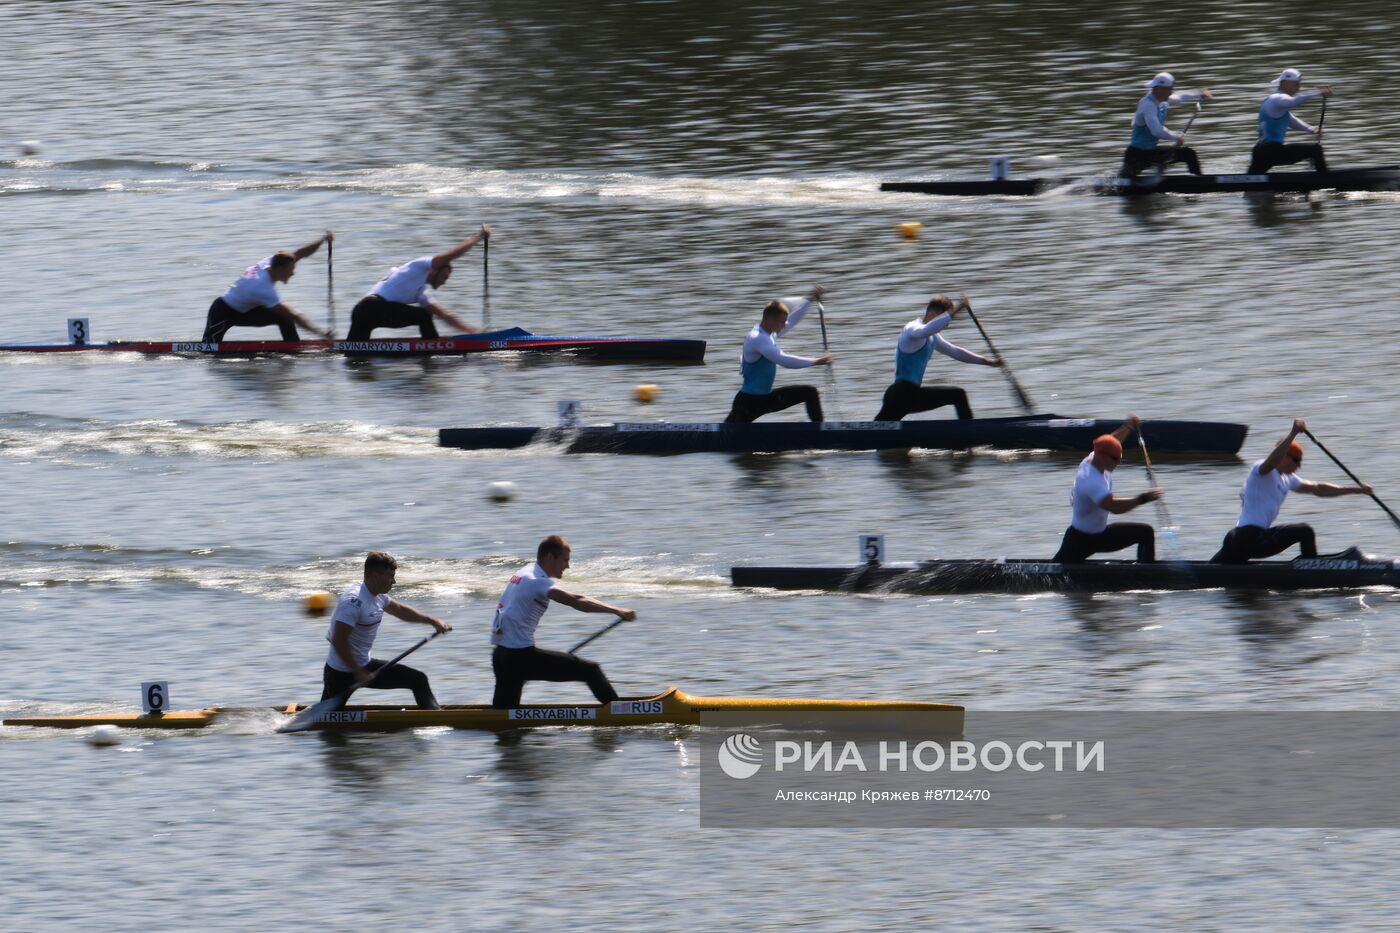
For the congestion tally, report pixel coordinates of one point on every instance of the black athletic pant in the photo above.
(1266, 155)
(398, 677)
(906, 398)
(1135, 160)
(373, 311)
(748, 407)
(514, 666)
(1078, 545)
(222, 316)
(1250, 542)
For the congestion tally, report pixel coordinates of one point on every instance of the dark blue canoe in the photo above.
(1348, 570)
(1377, 178)
(1026, 432)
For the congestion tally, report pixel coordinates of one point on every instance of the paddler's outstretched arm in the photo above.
(284, 310)
(450, 319)
(406, 612)
(483, 234)
(314, 245)
(589, 604)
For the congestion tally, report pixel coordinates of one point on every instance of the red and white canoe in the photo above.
(515, 339)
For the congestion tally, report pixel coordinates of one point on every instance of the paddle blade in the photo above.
(313, 714)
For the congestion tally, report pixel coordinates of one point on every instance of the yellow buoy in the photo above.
(910, 230)
(319, 603)
(645, 392)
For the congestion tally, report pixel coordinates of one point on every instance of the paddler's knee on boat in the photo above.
(1266, 485)
(1093, 501)
(1149, 129)
(761, 356)
(516, 659)
(917, 341)
(404, 297)
(1276, 118)
(252, 300)
(354, 626)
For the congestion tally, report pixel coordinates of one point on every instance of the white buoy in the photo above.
(29, 147)
(501, 491)
(105, 735)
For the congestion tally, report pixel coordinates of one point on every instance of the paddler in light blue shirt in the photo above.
(761, 357)
(1149, 126)
(1276, 118)
(917, 341)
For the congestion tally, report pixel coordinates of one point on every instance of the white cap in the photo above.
(1289, 74)
(1162, 79)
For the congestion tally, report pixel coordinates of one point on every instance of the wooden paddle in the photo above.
(1021, 392)
(313, 714)
(1320, 446)
(1163, 516)
(596, 635)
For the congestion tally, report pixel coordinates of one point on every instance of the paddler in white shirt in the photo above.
(1276, 118)
(515, 658)
(917, 341)
(761, 357)
(1093, 501)
(403, 298)
(353, 627)
(252, 301)
(1149, 126)
(1269, 481)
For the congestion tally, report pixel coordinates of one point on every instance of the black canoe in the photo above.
(1348, 570)
(1027, 432)
(1377, 178)
(511, 340)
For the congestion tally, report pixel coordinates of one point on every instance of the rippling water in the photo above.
(651, 168)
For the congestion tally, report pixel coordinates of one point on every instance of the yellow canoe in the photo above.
(671, 706)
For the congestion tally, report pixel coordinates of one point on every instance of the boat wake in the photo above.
(422, 180)
(36, 565)
(61, 439)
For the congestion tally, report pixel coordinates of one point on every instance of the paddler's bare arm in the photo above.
(589, 604)
(483, 234)
(314, 245)
(406, 612)
(284, 310)
(340, 641)
(450, 319)
(1126, 428)
(1276, 455)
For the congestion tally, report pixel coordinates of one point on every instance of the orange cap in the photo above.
(1295, 450)
(1108, 445)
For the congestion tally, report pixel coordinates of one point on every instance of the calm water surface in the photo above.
(655, 169)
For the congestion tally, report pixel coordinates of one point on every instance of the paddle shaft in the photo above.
(330, 281)
(596, 635)
(1021, 393)
(1321, 118)
(1168, 526)
(1187, 128)
(830, 370)
(1322, 447)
